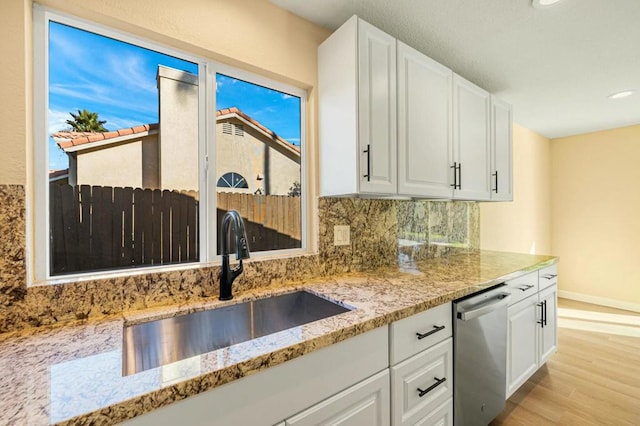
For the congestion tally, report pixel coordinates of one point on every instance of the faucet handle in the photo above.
(237, 270)
(242, 251)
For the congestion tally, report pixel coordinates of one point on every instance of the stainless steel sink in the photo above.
(155, 343)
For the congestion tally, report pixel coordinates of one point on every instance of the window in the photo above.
(124, 139)
(268, 154)
(232, 180)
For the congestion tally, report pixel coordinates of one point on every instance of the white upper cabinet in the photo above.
(357, 91)
(501, 150)
(394, 122)
(425, 148)
(471, 136)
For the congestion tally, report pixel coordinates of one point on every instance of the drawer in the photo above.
(421, 384)
(522, 287)
(366, 403)
(442, 416)
(419, 332)
(548, 276)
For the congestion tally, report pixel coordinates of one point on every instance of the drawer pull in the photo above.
(438, 382)
(526, 287)
(549, 276)
(436, 328)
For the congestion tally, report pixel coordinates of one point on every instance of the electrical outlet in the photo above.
(341, 235)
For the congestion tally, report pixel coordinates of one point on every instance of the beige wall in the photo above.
(250, 34)
(15, 23)
(524, 225)
(118, 166)
(596, 213)
(178, 135)
(246, 155)
(132, 163)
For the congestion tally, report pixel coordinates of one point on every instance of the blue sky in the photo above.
(118, 81)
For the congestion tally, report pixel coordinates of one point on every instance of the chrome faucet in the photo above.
(227, 275)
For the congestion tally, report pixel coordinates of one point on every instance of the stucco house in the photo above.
(250, 158)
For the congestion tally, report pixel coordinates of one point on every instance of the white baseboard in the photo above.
(602, 301)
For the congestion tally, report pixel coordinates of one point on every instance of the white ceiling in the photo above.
(556, 65)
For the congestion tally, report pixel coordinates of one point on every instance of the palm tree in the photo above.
(85, 121)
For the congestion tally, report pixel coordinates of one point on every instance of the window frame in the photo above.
(39, 271)
(233, 174)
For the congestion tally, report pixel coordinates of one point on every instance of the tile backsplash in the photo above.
(383, 233)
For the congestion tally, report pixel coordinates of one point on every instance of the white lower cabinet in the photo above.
(283, 391)
(421, 356)
(421, 384)
(365, 404)
(548, 335)
(532, 330)
(522, 342)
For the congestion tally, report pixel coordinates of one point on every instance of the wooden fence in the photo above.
(272, 222)
(95, 227)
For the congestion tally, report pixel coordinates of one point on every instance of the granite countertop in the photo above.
(73, 375)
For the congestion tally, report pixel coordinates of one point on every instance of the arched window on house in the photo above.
(232, 180)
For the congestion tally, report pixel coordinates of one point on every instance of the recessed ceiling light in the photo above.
(620, 95)
(539, 4)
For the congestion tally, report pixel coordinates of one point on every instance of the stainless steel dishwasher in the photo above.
(480, 356)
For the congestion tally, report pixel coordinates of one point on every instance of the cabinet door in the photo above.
(364, 404)
(471, 140)
(501, 146)
(548, 343)
(377, 130)
(522, 342)
(425, 147)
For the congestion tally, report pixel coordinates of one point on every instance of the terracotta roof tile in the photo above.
(69, 139)
(235, 110)
(57, 173)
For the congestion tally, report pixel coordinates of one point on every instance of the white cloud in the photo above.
(57, 121)
(116, 123)
(129, 71)
(99, 94)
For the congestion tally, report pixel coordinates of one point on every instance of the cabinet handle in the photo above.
(526, 287)
(495, 175)
(436, 328)
(455, 175)
(541, 321)
(368, 152)
(438, 382)
(544, 317)
(549, 276)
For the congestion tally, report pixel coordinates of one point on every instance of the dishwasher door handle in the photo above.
(499, 301)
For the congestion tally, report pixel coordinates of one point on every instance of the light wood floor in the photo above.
(593, 379)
